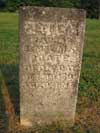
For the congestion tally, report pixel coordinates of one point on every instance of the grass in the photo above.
(88, 110)
(8, 38)
(90, 74)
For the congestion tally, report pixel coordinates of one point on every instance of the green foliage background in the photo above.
(91, 6)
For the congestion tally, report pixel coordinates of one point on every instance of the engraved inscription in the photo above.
(51, 53)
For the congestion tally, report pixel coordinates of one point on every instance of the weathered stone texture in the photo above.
(51, 44)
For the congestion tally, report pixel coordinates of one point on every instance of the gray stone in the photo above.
(51, 47)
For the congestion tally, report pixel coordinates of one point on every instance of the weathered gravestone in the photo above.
(51, 45)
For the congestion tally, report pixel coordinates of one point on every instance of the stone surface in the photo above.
(51, 45)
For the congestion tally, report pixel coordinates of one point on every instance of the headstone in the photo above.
(51, 45)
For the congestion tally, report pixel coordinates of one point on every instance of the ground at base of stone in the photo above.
(87, 121)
